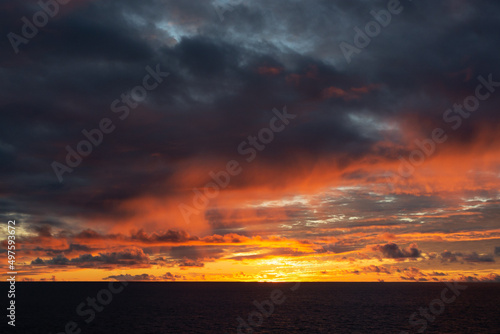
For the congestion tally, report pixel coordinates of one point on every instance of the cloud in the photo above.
(448, 256)
(191, 120)
(190, 263)
(474, 257)
(413, 274)
(168, 236)
(42, 230)
(170, 277)
(335, 248)
(329, 177)
(72, 248)
(196, 253)
(393, 251)
(126, 257)
(127, 277)
(256, 253)
(228, 238)
(479, 278)
(376, 269)
(145, 277)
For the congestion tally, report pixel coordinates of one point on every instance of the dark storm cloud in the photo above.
(65, 78)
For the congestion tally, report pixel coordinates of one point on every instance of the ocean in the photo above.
(182, 307)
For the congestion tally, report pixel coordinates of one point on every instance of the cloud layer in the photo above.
(361, 172)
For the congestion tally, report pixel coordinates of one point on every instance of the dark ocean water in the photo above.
(216, 307)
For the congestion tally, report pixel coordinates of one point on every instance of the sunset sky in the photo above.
(238, 141)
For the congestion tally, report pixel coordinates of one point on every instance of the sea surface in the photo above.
(181, 307)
